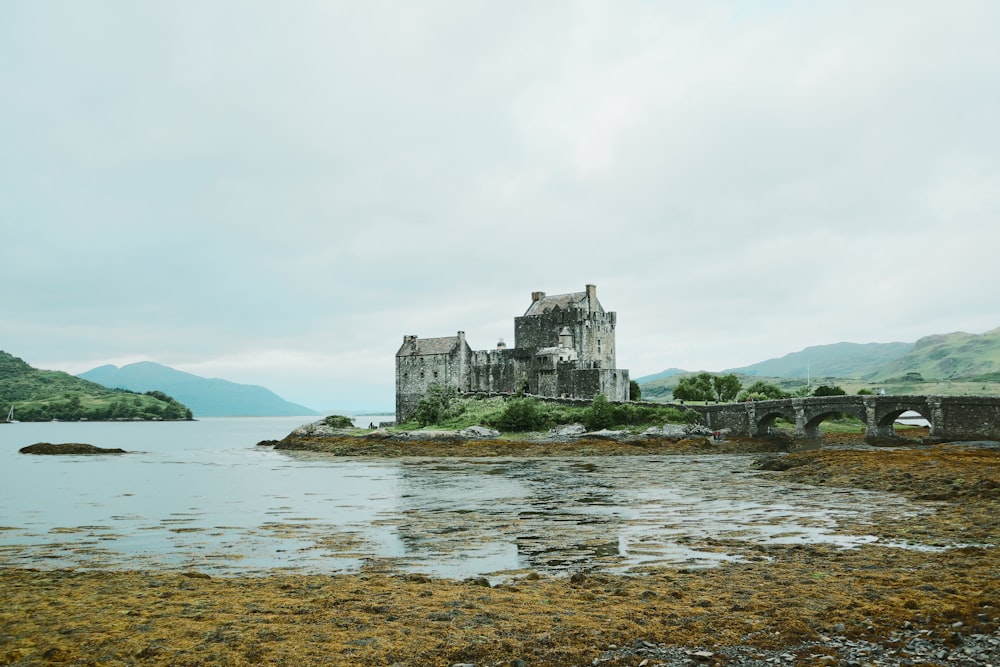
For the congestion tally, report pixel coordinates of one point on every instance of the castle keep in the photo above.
(564, 345)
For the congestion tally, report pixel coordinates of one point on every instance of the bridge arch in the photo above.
(888, 410)
(765, 420)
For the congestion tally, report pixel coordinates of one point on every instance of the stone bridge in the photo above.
(951, 417)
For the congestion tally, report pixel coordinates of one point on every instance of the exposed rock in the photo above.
(567, 430)
(608, 434)
(479, 432)
(670, 431)
(68, 448)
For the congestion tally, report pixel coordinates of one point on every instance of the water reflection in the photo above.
(224, 508)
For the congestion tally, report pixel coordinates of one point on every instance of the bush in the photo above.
(339, 421)
(433, 406)
(599, 415)
(521, 414)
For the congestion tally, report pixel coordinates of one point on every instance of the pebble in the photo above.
(907, 646)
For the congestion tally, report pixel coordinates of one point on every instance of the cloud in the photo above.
(277, 195)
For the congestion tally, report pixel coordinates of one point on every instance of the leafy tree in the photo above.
(762, 391)
(695, 388)
(725, 387)
(599, 415)
(434, 404)
(865, 392)
(829, 390)
(634, 390)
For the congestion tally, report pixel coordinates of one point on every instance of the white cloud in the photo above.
(277, 195)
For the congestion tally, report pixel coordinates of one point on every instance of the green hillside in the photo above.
(943, 364)
(842, 360)
(953, 356)
(40, 395)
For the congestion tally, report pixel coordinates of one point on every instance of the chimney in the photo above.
(537, 296)
(409, 339)
(591, 298)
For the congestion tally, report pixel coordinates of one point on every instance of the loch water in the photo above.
(203, 496)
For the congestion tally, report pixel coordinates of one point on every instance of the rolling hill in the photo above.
(959, 359)
(953, 356)
(842, 360)
(42, 395)
(207, 397)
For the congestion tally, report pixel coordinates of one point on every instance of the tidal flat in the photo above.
(923, 590)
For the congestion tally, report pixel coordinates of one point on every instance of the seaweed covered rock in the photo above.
(68, 448)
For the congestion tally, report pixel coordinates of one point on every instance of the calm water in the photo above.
(201, 495)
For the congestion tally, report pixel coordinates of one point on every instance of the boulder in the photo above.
(670, 431)
(608, 434)
(68, 448)
(567, 430)
(479, 432)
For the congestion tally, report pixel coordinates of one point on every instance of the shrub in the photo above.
(339, 421)
(599, 415)
(521, 414)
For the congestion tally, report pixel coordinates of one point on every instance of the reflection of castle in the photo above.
(564, 345)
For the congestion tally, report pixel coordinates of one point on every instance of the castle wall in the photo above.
(416, 372)
(499, 371)
(536, 364)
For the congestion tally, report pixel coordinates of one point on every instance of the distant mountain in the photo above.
(39, 395)
(670, 372)
(952, 356)
(839, 360)
(207, 397)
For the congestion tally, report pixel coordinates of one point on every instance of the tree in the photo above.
(695, 388)
(599, 415)
(762, 391)
(433, 405)
(634, 391)
(725, 387)
(828, 390)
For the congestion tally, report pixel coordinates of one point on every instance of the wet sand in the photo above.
(776, 597)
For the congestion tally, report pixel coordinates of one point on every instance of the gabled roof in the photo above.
(564, 301)
(423, 346)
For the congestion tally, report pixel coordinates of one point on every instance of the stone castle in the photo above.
(564, 345)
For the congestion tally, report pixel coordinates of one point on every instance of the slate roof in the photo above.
(429, 346)
(564, 301)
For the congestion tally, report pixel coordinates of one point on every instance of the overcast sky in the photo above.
(275, 193)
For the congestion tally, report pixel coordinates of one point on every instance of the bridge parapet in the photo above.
(951, 417)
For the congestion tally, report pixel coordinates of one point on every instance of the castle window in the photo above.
(421, 376)
(435, 375)
(598, 346)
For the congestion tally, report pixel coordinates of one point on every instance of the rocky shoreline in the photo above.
(478, 441)
(926, 592)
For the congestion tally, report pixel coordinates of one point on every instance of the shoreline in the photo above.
(818, 604)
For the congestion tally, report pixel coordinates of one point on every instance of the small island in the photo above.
(68, 448)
